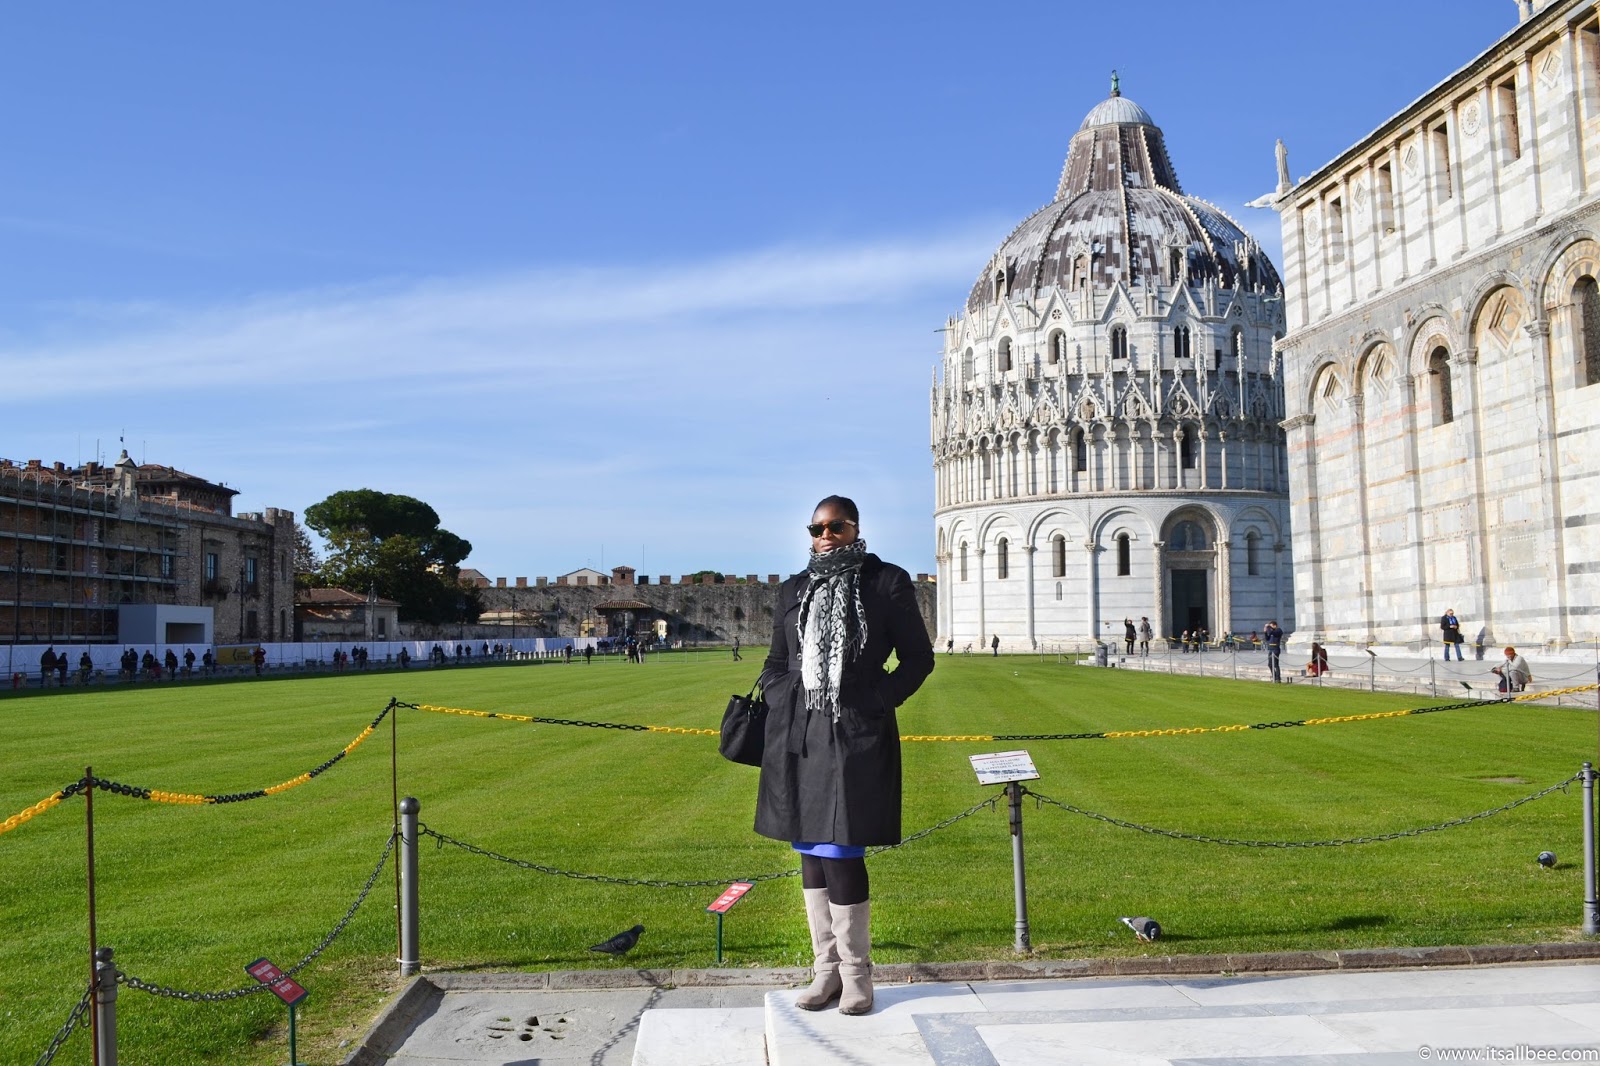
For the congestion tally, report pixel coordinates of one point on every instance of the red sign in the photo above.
(726, 901)
(284, 987)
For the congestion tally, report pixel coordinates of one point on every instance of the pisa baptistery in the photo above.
(1106, 423)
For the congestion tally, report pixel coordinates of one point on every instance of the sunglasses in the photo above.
(837, 526)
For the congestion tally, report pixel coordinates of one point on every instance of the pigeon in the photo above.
(1143, 928)
(1547, 859)
(620, 944)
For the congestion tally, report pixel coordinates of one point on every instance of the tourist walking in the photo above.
(1145, 633)
(1272, 637)
(994, 644)
(830, 774)
(1129, 633)
(736, 656)
(1450, 630)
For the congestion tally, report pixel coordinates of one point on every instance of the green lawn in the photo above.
(189, 895)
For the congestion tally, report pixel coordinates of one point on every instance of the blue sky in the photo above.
(619, 283)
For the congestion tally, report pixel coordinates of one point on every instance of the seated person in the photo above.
(1514, 672)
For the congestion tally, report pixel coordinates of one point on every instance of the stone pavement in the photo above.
(1365, 1008)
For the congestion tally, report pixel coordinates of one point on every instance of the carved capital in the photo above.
(1538, 328)
(1465, 357)
(1030, 548)
(1298, 422)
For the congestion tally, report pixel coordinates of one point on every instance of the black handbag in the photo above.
(744, 727)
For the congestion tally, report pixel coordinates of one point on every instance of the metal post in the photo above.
(1433, 679)
(1373, 683)
(1591, 901)
(410, 961)
(94, 947)
(719, 938)
(1022, 946)
(294, 1059)
(105, 1008)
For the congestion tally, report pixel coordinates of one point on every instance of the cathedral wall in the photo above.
(1443, 430)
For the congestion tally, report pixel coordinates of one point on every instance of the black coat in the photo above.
(839, 782)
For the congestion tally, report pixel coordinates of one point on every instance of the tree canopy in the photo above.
(394, 544)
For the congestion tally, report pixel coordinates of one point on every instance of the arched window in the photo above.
(1058, 347)
(1252, 553)
(1058, 557)
(963, 560)
(1002, 562)
(1175, 265)
(966, 365)
(999, 284)
(1186, 450)
(1586, 302)
(1124, 555)
(1180, 342)
(1443, 398)
(1058, 590)
(1080, 445)
(1119, 342)
(1002, 359)
(1187, 536)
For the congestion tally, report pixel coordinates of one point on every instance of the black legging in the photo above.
(845, 879)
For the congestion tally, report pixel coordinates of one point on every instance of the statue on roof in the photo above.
(1284, 184)
(1116, 84)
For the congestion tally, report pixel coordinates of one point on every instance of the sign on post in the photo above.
(1002, 767)
(283, 986)
(734, 894)
(724, 903)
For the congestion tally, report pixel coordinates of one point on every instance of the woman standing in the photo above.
(830, 776)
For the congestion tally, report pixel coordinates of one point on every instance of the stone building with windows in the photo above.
(1105, 424)
(80, 544)
(1442, 362)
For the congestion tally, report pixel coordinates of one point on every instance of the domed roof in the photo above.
(1116, 110)
(1119, 215)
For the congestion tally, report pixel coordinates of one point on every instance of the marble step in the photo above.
(702, 1036)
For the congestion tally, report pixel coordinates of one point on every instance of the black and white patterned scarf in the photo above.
(833, 624)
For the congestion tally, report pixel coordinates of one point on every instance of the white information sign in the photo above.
(1003, 766)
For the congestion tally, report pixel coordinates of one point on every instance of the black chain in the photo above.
(235, 993)
(1203, 839)
(550, 721)
(646, 882)
(66, 1030)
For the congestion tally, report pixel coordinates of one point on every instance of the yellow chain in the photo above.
(28, 812)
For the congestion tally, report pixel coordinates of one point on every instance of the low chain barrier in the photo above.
(1116, 734)
(1043, 800)
(156, 795)
(155, 989)
(646, 882)
(66, 1030)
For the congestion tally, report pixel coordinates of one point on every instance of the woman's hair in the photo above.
(843, 503)
(1510, 650)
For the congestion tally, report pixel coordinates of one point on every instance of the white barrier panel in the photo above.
(24, 658)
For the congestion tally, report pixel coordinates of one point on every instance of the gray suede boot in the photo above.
(852, 933)
(825, 982)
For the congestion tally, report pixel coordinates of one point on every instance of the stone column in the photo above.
(1306, 523)
(1158, 605)
(1357, 406)
(1550, 497)
(1028, 552)
(1278, 547)
(1579, 101)
(1469, 415)
(983, 624)
(1430, 196)
(1222, 446)
(1529, 131)
(1224, 584)
(1092, 601)
(1180, 478)
(1202, 459)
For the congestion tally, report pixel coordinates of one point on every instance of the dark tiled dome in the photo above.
(1120, 216)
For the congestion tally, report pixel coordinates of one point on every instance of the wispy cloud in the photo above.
(541, 411)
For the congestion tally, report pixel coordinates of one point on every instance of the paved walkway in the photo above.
(1381, 1017)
